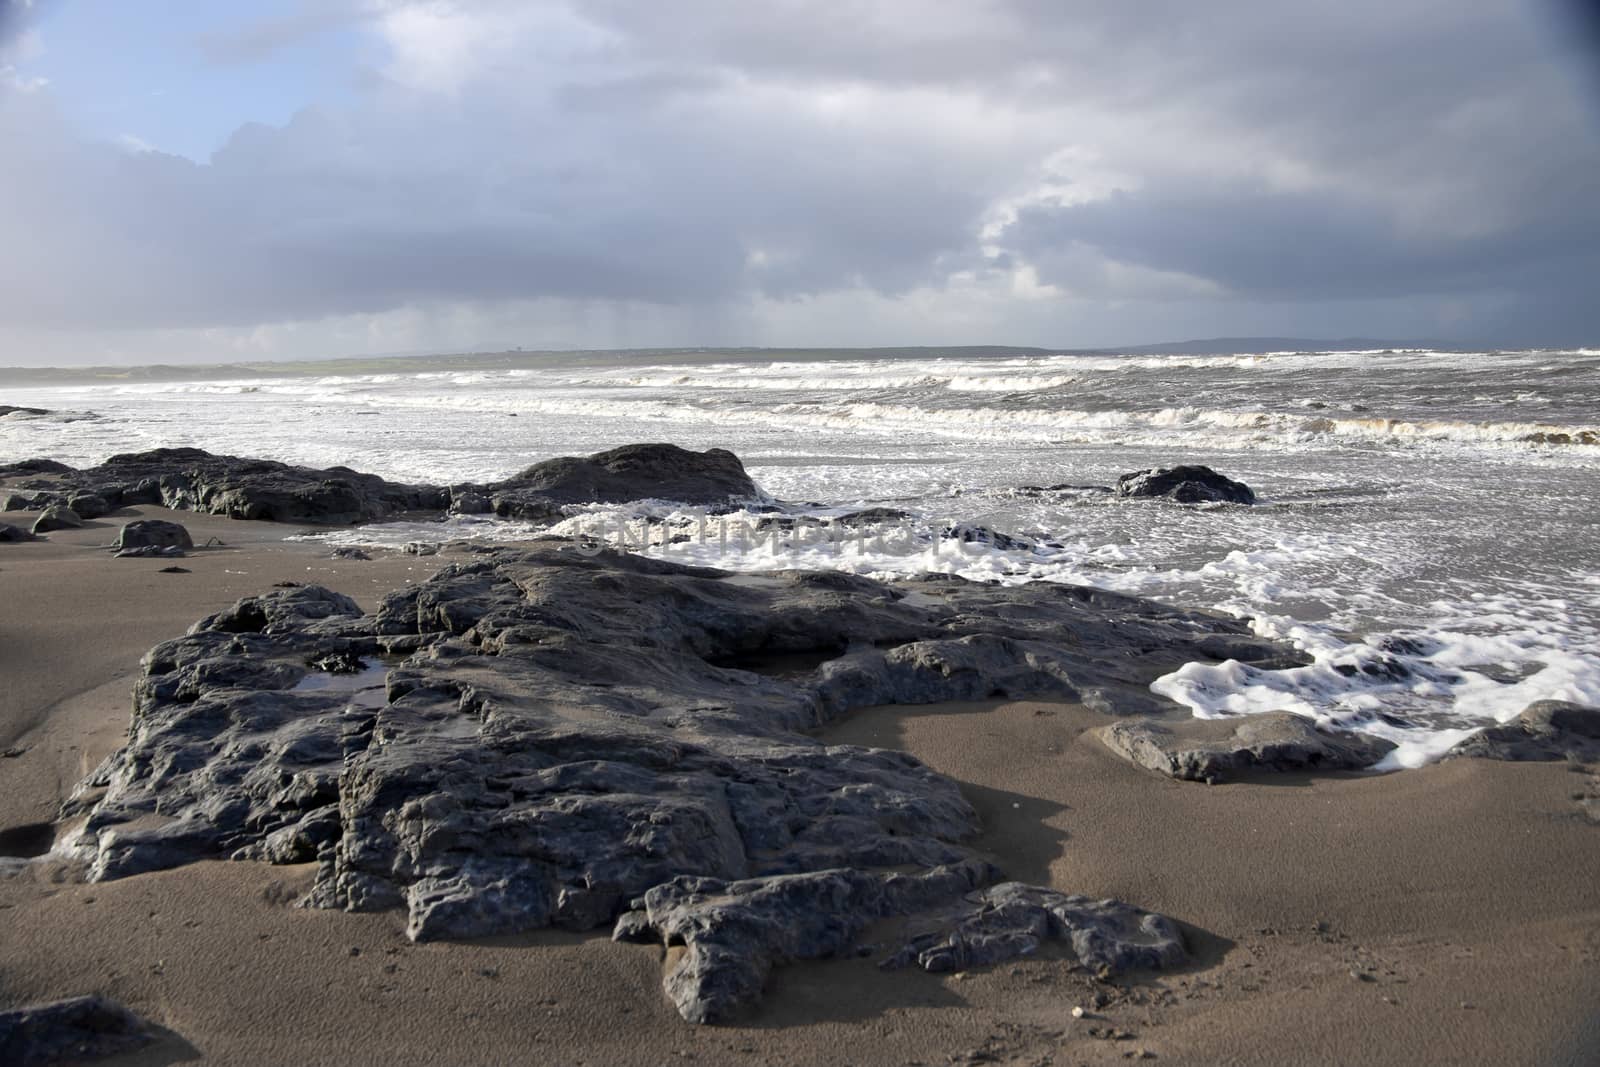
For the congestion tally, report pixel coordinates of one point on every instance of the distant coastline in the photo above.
(513, 359)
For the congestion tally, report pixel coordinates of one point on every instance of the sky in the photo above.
(188, 180)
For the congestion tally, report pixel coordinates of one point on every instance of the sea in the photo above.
(1426, 533)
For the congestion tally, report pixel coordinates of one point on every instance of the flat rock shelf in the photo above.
(552, 736)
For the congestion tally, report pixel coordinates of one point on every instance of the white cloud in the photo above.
(631, 172)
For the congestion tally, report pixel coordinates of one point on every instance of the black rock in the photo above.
(59, 517)
(9, 532)
(347, 552)
(470, 502)
(968, 534)
(567, 733)
(1185, 485)
(34, 466)
(872, 516)
(7, 409)
(69, 1031)
(1063, 487)
(632, 472)
(1207, 750)
(152, 534)
(89, 506)
(15, 501)
(1545, 730)
(194, 480)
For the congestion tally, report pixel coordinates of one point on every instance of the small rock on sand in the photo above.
(153, 533)
(73, 1030)
(58, 517)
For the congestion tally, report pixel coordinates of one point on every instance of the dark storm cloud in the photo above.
(703, 151)
(1297, 246)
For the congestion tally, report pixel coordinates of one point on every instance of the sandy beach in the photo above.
(887, 533)
(1444, 915)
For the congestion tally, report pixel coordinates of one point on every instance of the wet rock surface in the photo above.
(190, 479)
(1544, 730)
(9, 532)
(69, 1031)
(8, 409)
(619, 475)
(1185, 485)
(26, 467)
(546, 736)
(1206, 750)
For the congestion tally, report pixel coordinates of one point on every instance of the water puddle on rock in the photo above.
(366, 688)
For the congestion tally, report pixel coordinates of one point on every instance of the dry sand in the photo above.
(1463, 896)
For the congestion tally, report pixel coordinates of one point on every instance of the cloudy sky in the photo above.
(196, 180)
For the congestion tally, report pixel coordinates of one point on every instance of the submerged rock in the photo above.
(9, 532)
(7, 409)
(59, 517)
(1185, 485)
(1207, 750)
(1545, 730)
(543, 735)
(69, 1031)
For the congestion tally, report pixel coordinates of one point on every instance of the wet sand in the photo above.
(1439, 916)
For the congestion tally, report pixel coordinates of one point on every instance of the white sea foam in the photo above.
(1430, 518)
(1427, 686)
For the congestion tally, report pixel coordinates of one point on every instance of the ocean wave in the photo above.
(1193, 426)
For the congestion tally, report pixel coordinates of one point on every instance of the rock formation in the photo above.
(57, 517)
(1185, 485)
(554, 736)
(1545, 730)
(632, 472)
(194, 480)
(69, 1031)
(1210, 750)
(153, 533)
